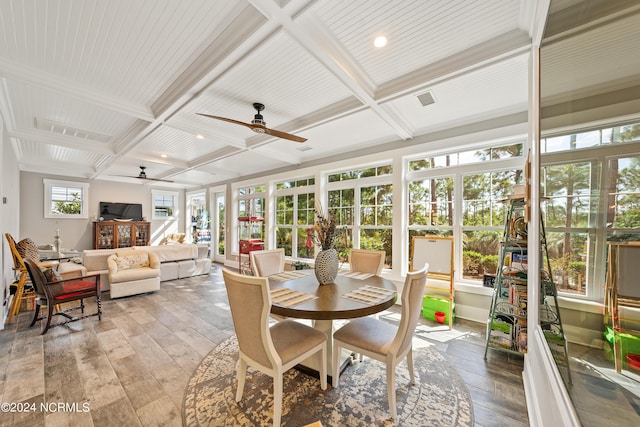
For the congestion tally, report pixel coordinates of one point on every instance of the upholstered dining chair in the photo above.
(267, 262)
(366, 261)
(270, 350)
(21, 251)
(383, 341)
(59, 292)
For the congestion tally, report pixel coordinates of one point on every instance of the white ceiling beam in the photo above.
(288, 157)
(67, 87)
(500, 48)
(44, 137)
(213, 62)
(58, 168)
(214, 156)
(188, 126)
(319, 42)
(165, 162)
(5, 105)
(222, 171)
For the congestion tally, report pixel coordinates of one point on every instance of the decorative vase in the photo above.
(326, 266)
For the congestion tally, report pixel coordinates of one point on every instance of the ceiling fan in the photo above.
(143, 175)
(258, 125)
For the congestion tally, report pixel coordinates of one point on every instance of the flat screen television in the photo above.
(111, 211)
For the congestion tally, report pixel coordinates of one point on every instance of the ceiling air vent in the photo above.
(426, 98)
(63, 129)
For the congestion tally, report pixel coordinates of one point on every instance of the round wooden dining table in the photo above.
(351, 295)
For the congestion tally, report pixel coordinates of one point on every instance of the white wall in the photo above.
(9, 214)
(78, 233)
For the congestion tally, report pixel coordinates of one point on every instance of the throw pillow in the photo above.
(52, 275)
(28, 249)
(132, 261)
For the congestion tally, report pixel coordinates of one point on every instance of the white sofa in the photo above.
(180, 261)
(133, 272)
(176, 261)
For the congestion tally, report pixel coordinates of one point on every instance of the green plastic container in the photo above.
(629, 343)
(432, 304)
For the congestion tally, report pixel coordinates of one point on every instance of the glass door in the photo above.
(218, 223)
(198, 226)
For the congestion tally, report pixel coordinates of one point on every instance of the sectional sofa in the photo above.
(176, 261)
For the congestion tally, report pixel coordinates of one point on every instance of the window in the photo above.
(431, 207)
(376, 219)
(592, 196)
(483, 217)
(593, 138)
(363, 210)
(295, 202)
(220, 203)
(165, 204)
(459, 194)
(467, 157)
(251, 204)
(65, 199)
(360, 173)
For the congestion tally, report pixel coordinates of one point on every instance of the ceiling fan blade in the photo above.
(258, 127)
(284, 135)
(249, 125)
(153, 179)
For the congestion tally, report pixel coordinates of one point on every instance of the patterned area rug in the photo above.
(439, 398)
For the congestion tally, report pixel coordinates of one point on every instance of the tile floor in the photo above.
(131, 368)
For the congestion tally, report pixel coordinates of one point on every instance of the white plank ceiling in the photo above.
(93, 89)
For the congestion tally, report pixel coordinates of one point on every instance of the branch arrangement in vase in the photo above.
(325, 229)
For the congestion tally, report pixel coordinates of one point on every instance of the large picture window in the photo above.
(361, 200)
(295, 203)
(65, 199)
(431, 207)
(591, 191)
(483, 216)
(251, 203)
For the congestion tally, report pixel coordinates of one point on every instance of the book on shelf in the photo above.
(518, 295)
(519, 261)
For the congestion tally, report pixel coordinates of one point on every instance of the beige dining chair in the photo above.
(383, 341)
(270, 350)
(366, 261)
(267, 262)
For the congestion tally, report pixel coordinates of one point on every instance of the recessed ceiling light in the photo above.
(200, 136)
(380, 41)
(164, 156)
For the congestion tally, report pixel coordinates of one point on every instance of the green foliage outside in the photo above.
(73, 207)
(475, 264)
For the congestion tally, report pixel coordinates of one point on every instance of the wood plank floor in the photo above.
(131, 368)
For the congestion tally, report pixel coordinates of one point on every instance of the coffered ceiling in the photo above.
(94, 89)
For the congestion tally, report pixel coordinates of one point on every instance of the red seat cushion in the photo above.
(73, 289)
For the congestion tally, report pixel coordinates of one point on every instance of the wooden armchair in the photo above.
(62, 291)
(22, 293)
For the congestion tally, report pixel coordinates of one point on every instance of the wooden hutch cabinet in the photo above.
(120, 234)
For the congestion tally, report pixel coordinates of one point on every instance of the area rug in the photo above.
(439, 397)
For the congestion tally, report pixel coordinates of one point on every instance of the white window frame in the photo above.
(295, 227)
(457, 172)
(84, 197)
(174, 208)
(357, 185)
